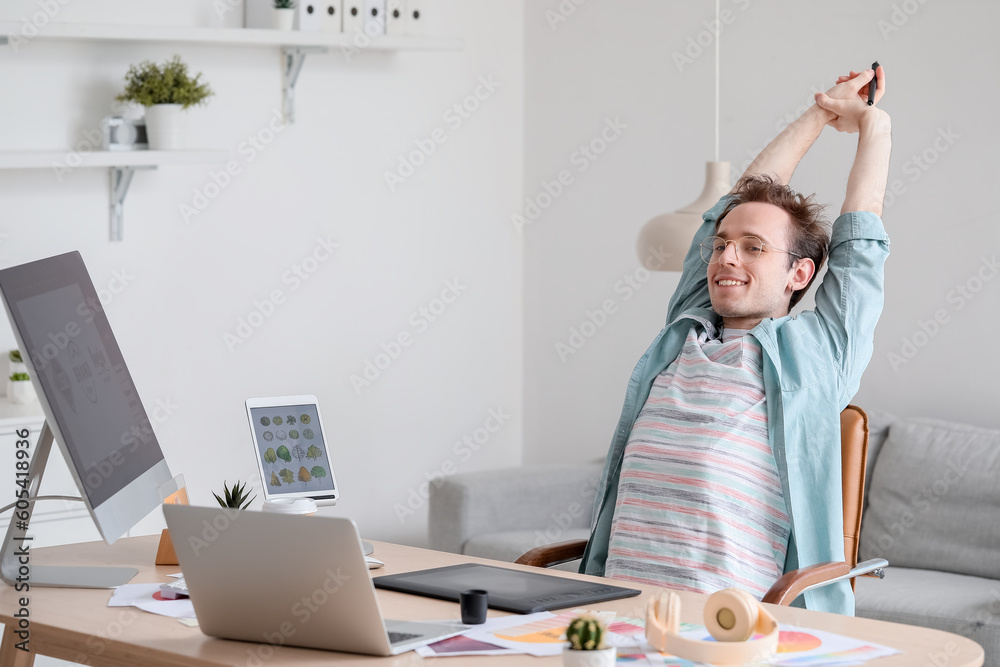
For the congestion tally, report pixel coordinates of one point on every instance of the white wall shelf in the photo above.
(228, 36)
(121, 166)
(74, 160)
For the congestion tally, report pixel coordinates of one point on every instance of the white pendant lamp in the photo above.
(664, 240)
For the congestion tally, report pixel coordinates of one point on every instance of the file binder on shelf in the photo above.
(330, 15)
(374, 18)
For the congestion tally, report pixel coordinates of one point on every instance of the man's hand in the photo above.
(880, 76)
(849, 99)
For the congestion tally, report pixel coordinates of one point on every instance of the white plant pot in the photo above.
(284, 19)
(165, 125)
(604, 657)
(21, 392)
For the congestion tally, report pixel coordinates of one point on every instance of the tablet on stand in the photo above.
(291, 451)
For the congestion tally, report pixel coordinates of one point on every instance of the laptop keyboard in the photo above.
(400, 637)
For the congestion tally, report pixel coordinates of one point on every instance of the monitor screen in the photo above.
(85, 387)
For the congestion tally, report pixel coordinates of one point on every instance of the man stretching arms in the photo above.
(725, 465)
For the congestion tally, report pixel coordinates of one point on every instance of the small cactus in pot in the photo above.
(586, 635)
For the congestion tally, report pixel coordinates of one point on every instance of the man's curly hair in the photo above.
(810, 232)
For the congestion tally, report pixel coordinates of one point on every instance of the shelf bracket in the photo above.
(121, 178)
(292, 59)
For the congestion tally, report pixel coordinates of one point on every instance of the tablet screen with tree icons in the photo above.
(291, 448)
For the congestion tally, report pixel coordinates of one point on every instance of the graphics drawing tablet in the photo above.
(509, 590)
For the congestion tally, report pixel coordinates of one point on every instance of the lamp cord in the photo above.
(718, 38)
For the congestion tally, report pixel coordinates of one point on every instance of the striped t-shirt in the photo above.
(700, 505)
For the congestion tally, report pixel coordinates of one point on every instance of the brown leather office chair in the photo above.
(854, 454)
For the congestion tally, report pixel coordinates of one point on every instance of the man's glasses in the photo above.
(748, 249)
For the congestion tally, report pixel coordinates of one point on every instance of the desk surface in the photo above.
(77, 624)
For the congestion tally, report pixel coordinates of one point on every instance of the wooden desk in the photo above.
(77, 624)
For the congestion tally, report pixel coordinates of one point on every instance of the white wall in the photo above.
(616, 60)
(188, 284)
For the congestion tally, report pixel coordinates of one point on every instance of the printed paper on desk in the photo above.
(461, 645)
(537, 635)
(172, 608)
(478, 639)
(798, 647)
(144, 596)
(128, 594)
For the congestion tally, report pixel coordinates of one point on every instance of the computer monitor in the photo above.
(91, 405)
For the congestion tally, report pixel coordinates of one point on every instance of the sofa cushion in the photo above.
(964, 605)
(934, 501)
(878, 430)
(550, 498)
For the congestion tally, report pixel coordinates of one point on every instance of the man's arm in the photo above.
(866, 184)
(849, 300)
(870, 172)
(780, 157)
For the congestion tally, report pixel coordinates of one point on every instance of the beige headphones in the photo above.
(732, 617)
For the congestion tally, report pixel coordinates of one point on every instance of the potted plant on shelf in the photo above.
(19, 387)
(17, 364)
(166, 91)
(235, 496)
(586, 644)
(284, 14)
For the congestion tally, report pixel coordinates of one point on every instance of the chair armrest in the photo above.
(791, 584)
(549, 498)
(553, 554)
(794, 583)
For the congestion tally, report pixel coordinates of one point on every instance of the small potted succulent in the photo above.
(166, 91)
(284, 14)
(586, 644)
(235, 496)
(19, 387)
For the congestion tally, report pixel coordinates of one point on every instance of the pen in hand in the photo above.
(873, 86)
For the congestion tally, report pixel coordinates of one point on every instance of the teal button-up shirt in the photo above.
(812, 368)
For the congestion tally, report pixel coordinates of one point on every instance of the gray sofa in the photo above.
(932, 509)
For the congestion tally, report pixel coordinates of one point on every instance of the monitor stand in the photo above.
(15, 556)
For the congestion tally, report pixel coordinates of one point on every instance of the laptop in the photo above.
(287, 580)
